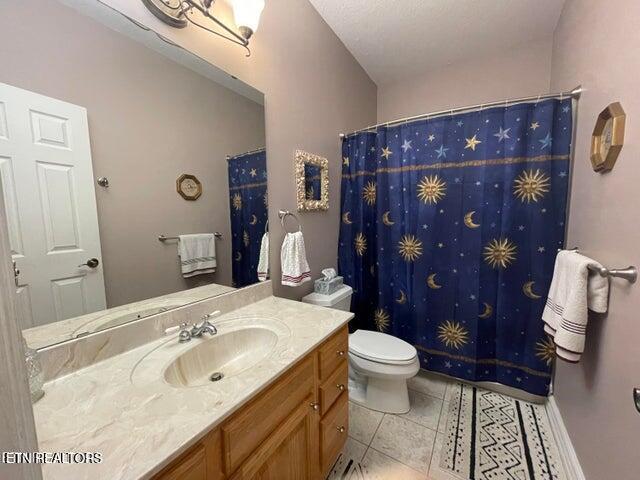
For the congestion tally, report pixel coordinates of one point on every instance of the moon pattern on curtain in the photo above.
(449, 231)
(248, 207)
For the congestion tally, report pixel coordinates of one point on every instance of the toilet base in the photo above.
(383, 395)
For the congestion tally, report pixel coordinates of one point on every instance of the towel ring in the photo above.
(283, 214)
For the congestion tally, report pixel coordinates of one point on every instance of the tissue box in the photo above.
(327, 287)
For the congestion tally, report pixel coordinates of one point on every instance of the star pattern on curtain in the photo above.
(448, 233)
(248, 210)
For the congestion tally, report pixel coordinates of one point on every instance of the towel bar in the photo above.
(164, 238)
(630, 273)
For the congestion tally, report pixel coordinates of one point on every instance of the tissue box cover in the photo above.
(325, 287)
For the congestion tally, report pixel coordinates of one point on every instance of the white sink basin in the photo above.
(227, 353)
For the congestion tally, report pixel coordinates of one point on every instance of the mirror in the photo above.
(117, 146)
(312, 181)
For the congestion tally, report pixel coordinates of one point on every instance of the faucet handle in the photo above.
(175, 328)
(207, 316)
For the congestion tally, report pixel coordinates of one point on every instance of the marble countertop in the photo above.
(124, 409)
(63, 330)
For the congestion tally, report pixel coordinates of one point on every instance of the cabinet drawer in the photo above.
(334, 428)
(251, 425)
(332, 352)
(333, 386)
(192, 466)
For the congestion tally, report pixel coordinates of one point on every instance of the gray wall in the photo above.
(517, 72)
(150, 120)
(314, 90)
(597, 44)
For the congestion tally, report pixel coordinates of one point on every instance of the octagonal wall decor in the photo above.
(189, 187)
(607, 138)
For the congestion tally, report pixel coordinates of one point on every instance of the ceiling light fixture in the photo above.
(180, 13)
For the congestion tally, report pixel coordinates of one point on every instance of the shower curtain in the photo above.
(248, 206)
(449, 232)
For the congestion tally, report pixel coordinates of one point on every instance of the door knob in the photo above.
(91, 263)
(16, 272)
(636, 398)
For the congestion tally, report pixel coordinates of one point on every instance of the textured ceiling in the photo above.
(393, 39)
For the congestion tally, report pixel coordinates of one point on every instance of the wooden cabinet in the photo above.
(293, 430)
(288, 453)
(333, 387)
(334, 429)
(254, 423)
(191, 466)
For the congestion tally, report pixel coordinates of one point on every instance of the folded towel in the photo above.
(574, 290)
(197, 254)
(263, 261)
(293, 259)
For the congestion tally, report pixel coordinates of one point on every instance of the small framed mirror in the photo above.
(312, 181)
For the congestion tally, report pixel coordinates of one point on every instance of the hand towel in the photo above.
(574, 290)
(293, 259)
(197, 254)
(263, 260)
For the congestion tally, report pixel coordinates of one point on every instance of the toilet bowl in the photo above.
(379, 364)
(379, 367)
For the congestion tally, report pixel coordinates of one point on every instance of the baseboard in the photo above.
(567, 453)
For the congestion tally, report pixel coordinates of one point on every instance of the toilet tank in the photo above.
(340, 299)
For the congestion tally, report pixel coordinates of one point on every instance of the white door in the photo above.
(47, 176)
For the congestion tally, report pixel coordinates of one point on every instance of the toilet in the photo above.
(379, 364)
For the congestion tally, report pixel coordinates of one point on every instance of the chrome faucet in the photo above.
(196, 331)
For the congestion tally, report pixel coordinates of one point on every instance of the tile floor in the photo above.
(400, 446)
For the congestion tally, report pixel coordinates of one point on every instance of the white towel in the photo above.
(197, 254)
(574, 290)
(293, 259)
(263, 260)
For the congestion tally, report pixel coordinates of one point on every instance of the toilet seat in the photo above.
(381, 348)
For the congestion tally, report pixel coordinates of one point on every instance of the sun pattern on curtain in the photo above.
(248, 205)
(449, 232)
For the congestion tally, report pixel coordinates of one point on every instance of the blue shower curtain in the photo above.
(312, 177)
(248, 205)
(449, 232)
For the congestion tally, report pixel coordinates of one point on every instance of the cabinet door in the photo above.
(289, 453)
(252, 426)
(191, 466)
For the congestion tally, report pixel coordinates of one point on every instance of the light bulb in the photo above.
(247, 15)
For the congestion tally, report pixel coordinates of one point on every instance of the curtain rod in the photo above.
(229, 157)
(575, 93)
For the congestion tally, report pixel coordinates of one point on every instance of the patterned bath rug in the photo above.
(494, 437)
(346, 468)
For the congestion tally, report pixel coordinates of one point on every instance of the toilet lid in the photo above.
(380, 347)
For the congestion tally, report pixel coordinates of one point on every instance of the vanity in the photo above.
(264, 397)
(295, 428)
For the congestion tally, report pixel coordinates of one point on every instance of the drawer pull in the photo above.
(340, 353)
(315, 405)
(340, 387)
(340, 429)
